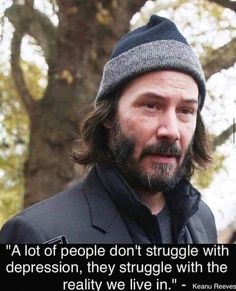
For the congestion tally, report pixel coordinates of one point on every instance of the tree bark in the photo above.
(75, 52)
(226, 4)
(224, 136)
(221, 58)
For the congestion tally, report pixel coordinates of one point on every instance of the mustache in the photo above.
(162, 148)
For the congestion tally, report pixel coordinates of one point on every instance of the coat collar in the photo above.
(183, 201)
(125, 199)
(104, 215)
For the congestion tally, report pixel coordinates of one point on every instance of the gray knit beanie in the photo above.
(158, 45)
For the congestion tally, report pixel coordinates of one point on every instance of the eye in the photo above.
(151, 105)
(186, 111)
(186, 114)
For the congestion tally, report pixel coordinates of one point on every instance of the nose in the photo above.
(168, 126)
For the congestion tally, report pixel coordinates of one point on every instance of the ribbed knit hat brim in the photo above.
(154, 47)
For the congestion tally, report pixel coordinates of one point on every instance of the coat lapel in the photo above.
(104, 215)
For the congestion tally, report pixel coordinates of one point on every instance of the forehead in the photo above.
(163, 83)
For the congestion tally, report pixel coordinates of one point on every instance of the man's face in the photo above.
(156, 120)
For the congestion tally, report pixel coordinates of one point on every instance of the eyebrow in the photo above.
(159, 96)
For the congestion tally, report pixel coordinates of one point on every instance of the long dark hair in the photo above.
(92, 147)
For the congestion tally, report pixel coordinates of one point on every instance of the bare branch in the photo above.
(36, 24)
(29, 3)
(221, 138)
(221, 58)
(17, 73)
(134, 6)
(27, 20)
(226, 4)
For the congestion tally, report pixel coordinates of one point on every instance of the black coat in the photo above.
(87, 214)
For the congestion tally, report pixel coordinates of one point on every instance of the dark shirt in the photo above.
(164, 221)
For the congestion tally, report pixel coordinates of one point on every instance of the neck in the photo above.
(155, 201)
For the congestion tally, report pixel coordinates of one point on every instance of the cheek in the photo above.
(128, 125)
(137, 129)
(187, 136)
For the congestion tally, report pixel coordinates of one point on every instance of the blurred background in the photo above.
(51, 58)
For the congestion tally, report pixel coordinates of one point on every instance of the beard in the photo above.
(164, 176)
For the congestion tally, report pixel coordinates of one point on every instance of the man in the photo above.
(141, 141)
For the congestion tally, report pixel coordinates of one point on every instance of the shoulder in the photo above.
(204, 224)
(44, 220)
(84, 213)
(56, 206)
(205, 212)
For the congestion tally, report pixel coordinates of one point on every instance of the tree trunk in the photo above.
(48, 168)
(84, 39)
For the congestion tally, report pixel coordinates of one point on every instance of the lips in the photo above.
(162, 150)
(160, 158)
